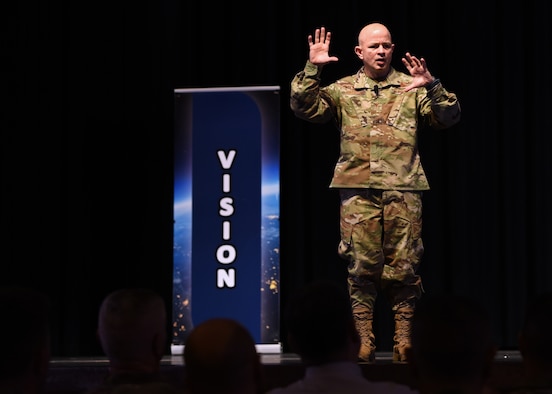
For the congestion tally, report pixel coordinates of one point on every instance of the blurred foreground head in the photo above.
(320, 313)
(451, 343)
(132, 329)
(220, 357)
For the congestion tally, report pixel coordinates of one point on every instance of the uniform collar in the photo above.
(394, 78)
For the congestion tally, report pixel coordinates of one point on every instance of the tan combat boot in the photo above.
(403, 320)
(363, 322)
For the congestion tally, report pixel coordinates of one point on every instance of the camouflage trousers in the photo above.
(381, 240)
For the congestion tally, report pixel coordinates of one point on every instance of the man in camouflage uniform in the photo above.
(379, 174)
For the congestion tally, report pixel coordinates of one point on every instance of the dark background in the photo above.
(88, 130)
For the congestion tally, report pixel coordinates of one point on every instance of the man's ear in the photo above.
(358, 51)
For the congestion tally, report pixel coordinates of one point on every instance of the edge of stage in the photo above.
(76, 375)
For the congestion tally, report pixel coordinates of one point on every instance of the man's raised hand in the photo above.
(319, 47)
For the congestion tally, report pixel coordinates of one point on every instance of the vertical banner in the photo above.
(226, 210)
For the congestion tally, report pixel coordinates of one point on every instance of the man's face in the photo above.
(375, 49)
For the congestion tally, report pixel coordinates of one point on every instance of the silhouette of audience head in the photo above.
(132, 330)
(535, 341)
(220, 356)
(320, 325)
(451, 344)
(25, 340)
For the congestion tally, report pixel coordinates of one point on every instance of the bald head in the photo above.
(132, 327)
(372, 31)
(224, 348)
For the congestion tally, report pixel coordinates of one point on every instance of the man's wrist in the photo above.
(312, 69)
(432, 84)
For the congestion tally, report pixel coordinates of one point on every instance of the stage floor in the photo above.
(266, 359)
(76, 375)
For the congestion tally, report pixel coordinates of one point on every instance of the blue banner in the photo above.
(226, 209)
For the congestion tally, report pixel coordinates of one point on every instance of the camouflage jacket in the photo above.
(378, 124)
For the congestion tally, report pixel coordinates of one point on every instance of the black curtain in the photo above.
(88, 127)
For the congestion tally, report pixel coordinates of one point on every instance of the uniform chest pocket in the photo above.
(403, 114)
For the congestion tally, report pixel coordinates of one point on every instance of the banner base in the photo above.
(263, 348)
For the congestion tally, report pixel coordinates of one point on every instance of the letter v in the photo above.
(226, 161)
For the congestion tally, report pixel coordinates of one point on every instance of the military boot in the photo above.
(403, 313)
(363, 322)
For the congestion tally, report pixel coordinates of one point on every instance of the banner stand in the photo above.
(226, 211)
